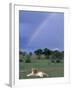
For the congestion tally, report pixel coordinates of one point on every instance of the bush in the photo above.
(53, 61)
(21, 60)
(28, 60)
(58, 61)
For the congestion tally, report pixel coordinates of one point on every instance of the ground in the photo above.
(45, 65)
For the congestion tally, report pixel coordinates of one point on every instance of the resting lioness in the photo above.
(35, 72)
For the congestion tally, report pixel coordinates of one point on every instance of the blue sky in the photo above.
(41, 30)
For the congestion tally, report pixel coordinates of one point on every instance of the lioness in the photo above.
(36, 72)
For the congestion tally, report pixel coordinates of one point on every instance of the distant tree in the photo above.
(30, 53)
(52, 58)
(47, 52)
(38, 52)
(62, 54)
(59, 55)
(28, 59)
(20, 52)
(24, 53)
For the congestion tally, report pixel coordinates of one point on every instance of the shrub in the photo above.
(53, 61)
(21, 60)
(58, 61)
(28, 59)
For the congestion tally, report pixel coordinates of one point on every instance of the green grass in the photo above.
(45, 65)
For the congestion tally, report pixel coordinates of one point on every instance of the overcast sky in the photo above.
(41, 30)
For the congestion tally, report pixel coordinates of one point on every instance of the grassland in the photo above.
(45, 65)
